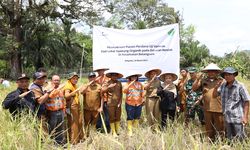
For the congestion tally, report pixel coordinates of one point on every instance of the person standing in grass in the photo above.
(152, 99)
(101, 79)
(169, 103)
(113, 89)
(235, 104)
(74, 114)
(20, 100)
(214, 120)
(55, 106)
(92, 102)
(193, 102)
(181, 92)
(134, 101)
(41, 97)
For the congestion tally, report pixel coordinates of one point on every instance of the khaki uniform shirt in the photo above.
(114, 94)
(210, 104)
(92, 97)
(152, 89)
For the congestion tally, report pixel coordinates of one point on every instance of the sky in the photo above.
(222, 25)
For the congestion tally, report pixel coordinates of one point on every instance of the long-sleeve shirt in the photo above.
(15, 104)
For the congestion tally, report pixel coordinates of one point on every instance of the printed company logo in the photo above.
(171, 32)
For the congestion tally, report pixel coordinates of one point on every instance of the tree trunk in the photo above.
(15, 58)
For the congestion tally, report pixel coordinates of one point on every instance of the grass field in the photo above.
(26, 132)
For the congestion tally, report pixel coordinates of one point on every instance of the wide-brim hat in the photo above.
(22, 76)
(211, 67)
(174, 76)
(229, 70)
(109, 74)
(138, 75)
(105, 69)
(158, 72)
(72, 74)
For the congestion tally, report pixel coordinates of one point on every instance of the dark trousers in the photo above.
(56, 125)
(167, 114)
(133, 112)
(105, 113)
(235, 131)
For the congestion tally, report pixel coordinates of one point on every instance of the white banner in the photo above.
(137, 51)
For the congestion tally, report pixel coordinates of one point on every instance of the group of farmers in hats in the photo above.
(220, 101)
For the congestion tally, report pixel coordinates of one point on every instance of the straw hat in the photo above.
(105, 69)
(138, 75)
(109, 74)
(158, 72)
(211, 67)
(174, 76)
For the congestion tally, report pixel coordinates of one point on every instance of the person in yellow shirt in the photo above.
(74, 114)
(134, 100)
(113, 89)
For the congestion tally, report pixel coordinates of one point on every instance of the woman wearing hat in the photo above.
(169, 97)
(152, 99)
(214, 121)
(74, 115)
(134, 100)
(113, 89)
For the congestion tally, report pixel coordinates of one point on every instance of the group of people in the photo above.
(221, 104)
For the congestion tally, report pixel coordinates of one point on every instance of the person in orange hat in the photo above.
(113, 89)
(134, 100)
(169, 98)
(101, 79)
(152, 99)
(74, 114)
(214, 121)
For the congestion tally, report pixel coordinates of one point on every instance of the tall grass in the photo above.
(25, 133)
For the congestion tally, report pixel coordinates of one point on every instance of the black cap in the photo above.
(39, 75)
(91, 74)
(23, 76)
